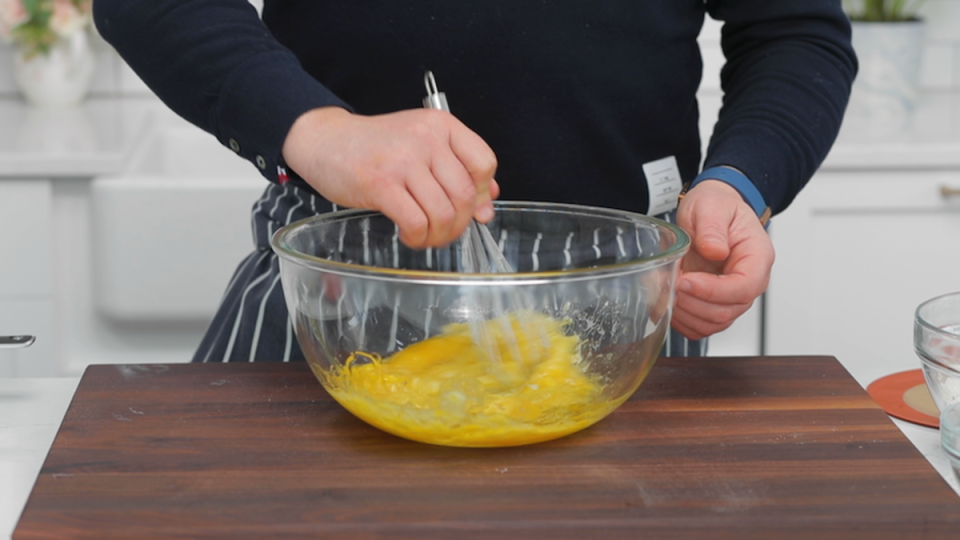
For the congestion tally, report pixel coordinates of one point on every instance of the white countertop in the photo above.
(30, 414)
(927, 138)
(31, 411)
(84, 141)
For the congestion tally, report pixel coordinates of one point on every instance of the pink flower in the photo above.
(66, 18)
(12, 15)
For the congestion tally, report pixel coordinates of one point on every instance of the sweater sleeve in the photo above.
(214, 63)
(786, 82)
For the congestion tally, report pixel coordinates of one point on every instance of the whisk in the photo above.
(480, 252)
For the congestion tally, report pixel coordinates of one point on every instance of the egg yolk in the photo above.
(514, 380)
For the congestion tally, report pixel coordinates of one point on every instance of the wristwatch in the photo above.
(739, 182)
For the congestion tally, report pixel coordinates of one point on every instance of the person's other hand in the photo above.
(728, 265)
(422, 168)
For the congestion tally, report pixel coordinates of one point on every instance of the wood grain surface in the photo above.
(763, 447)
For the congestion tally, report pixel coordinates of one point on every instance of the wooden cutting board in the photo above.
(763, 447)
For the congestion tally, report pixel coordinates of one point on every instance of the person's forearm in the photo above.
(214, 63)
(786, 84)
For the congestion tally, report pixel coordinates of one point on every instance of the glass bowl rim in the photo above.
(926, 325)
(282, 248)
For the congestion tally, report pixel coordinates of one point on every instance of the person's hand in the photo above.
(728, 265)
(422, 168)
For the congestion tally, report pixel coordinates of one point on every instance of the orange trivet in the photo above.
(905, 396)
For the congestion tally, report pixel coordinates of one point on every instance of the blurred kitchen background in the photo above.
(109, 252)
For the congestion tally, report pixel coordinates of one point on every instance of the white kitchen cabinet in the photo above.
(856, 253)
(168, 232)
(26, 276)
(26, 251)
(43, 154)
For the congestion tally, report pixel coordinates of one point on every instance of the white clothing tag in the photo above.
(663, 185)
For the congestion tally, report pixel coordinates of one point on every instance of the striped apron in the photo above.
(252, 323)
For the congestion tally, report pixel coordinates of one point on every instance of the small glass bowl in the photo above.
(950, 437)
(936, 339)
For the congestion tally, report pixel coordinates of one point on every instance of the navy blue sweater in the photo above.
(573, 96)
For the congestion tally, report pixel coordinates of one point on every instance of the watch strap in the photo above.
(738, 181)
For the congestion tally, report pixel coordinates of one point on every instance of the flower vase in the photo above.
(889, 54)
(60, 78)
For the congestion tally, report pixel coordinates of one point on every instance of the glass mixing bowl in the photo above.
(936, 339)
(408, 343)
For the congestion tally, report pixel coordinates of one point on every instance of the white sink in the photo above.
(170, 230)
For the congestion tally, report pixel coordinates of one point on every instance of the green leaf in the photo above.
(882, 10)
(34, 38)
